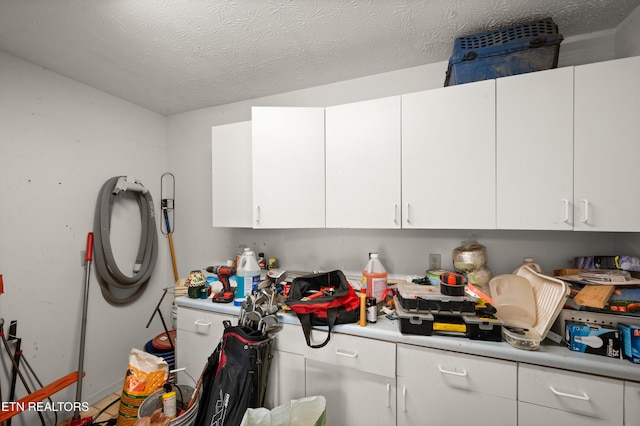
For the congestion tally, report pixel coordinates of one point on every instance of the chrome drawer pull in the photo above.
(204, 324)
(453, 373)
(583, 397)
(349, 355)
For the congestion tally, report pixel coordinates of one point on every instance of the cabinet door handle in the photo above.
(347, 354)
(585, 218)
(395, 213)
(583, 397)
(388, 395)
(404, 399)
(408, 217)
(453, 373)
(204, 324)
(258, 214)
(565, 202)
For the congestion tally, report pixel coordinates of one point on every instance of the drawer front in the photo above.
(359, 353)
(456, 370)
(202, 322)
(291, 339)
(593, 396)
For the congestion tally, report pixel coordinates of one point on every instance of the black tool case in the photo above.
(429, 299)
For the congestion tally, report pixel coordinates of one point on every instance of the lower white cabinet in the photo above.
(373, 382)
(568, 398)
(356, 375)
(631, 404)
(446, 388)
(198, 334)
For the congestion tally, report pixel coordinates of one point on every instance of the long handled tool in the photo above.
(167, 204)
(76, 421)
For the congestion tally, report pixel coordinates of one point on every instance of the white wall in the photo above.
(60, 141)
(628, 35)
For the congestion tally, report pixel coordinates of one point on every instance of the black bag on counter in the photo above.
(235, 377)
(324, 298)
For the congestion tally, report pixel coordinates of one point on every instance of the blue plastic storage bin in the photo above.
(528, 47)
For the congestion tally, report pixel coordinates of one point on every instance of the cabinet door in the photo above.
(422, 403)
(448, 157)
(288, 167)
(363, 164)
(286, 378)
(631, 405)
(607, 107)
(198, 334)
(532, 415)
(231, 175)
(353, 397)
(534, 148)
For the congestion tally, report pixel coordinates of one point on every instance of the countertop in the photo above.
(550, 354)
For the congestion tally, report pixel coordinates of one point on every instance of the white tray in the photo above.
(550, 295)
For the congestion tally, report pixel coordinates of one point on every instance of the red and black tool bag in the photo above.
(340, 306)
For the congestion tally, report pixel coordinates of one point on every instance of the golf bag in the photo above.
(235, 377)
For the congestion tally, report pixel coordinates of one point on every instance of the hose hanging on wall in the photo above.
(107, 272)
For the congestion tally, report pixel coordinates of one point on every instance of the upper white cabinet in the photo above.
(607, 145)
(231, 175)
(449, 157)
(288, 167)
(363, 164)
(534, 148)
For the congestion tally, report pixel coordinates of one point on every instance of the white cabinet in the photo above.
(286, 375)
(363, 164)
(607, 107)
(631, 404)
(567, 398)
(231, 175)
(447, 388)
(449, 157)
(288, 167)
(198, 334)
(357, 377)
(534, 148)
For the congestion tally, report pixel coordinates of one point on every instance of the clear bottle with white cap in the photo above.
(249, 271)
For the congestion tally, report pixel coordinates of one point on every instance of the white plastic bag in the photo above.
(309, 411)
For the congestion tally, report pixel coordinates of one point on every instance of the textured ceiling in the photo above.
(172, 56)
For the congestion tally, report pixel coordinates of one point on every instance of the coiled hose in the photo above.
(107, 272)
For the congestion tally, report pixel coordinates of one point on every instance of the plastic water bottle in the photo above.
(249, 271)
(374, 277)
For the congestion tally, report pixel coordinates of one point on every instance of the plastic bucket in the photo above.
(183, 395)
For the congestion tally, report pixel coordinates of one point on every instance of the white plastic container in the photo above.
(513, 298)
(248, 270)
(528, 261)
(374, 277)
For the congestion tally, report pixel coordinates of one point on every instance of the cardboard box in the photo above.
(593, 339)
(630, 336)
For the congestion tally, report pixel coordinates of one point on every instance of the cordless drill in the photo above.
(223, 272)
